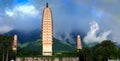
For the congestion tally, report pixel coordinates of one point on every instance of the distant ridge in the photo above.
(37, 45)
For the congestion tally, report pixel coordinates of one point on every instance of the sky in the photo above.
(97, 19)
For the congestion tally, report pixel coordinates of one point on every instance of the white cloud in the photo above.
(5, 29)
(92, 37)
(27, 9)
(9, 13)
(21, 10)
(21, 16)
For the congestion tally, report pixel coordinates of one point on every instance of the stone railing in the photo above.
(47, 59)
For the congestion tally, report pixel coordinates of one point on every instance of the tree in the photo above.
(8, 40)
(6, 45)
(106, 49)
(2, 47)
(80, 54)
(96, 52)
(87, 52)
(119, 53)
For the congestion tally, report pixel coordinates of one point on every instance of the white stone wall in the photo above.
(47, 59)
(114, 60)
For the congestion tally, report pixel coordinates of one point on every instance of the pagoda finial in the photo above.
(46, 4)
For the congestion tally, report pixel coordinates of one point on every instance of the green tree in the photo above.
(8, 41)
(6, 45)
(118, 53)
(2, 47)
(80, 54)
(87, 52)
(107, 49)
(96, 52)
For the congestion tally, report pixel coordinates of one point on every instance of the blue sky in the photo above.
(97, 19)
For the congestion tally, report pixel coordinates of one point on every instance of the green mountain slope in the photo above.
(37, 46)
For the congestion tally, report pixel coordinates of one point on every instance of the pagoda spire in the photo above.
(46, 4)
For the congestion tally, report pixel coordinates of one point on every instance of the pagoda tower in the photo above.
(14, 48)
(47, 32)
(79, 45)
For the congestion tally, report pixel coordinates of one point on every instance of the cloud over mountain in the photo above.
(5, 29)
(92, 37)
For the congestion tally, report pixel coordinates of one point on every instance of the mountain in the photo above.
(37, 45)
(71, 37)
(31, 36)
(24, 37)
